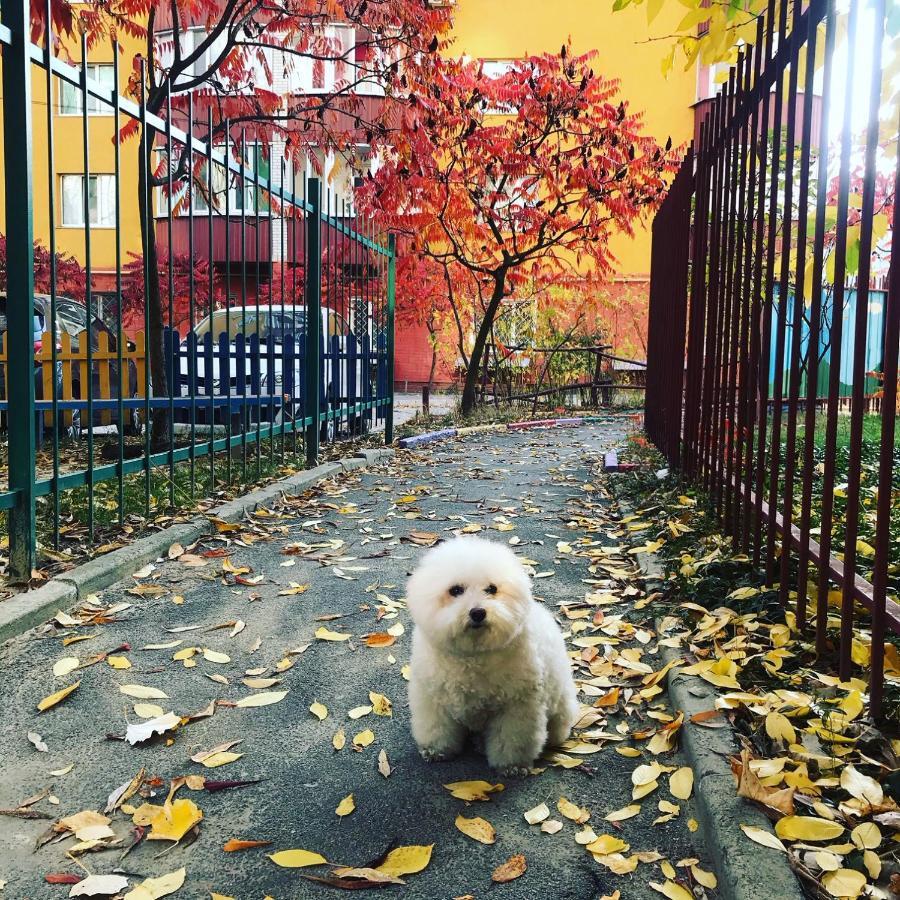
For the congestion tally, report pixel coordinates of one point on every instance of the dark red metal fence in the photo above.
(757, 297)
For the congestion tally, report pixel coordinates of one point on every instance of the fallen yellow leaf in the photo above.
(154, 888)
(473, 790)
(761, 836)
(58, 697)
(323, 634)
(844, 883)
(406, 860)
(477, 828)
(681, 783)
(170, 823)
(142, 692)
(296, 859)
(346, 806)
(319, 710)
(807, 828)
(265, 699)
(512, 869)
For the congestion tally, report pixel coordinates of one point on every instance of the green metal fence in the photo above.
(257, 322)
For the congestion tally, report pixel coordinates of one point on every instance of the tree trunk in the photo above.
(471, 382)
(432, 339)
(159, 424)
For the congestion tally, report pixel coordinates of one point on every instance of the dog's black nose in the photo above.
(477, 615)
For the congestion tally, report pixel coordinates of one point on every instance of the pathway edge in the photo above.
(25, 611)
(745, 870)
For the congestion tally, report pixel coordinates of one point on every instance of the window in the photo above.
(257, 161)
(70, 94)
(101, 200)
(189, 40)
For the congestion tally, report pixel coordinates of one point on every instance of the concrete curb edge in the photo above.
(419, 440)
(20, 613)
(745, 870)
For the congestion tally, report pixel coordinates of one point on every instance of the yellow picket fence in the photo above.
(72, 363)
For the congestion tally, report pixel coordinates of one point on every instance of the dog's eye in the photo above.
(456, 590)
(491, 589)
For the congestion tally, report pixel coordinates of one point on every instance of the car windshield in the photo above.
(262, 321)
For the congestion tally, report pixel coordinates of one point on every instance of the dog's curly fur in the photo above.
(501, 671)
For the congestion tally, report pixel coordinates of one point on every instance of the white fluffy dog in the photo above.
(486, 658)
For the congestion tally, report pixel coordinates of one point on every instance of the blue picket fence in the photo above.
(264, 380)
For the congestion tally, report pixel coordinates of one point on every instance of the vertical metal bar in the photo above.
(171, 375)
(192, 344)
(257, 403)
(306, 213)
(285, 378)
(243, 244)
(759, 366)
(89, 375)
(799, 302)
(723, 292)
(724, 430)
(147, 226)
(768, 293)
(815, 314)
(885, 468)
(737, 300)
(124, 372)
(851, 526)
(826, 516)
(208, 367)
(706, 422)
(391, 306)
(17, 143)
(313, 317)
(228, 409)
(783, 296)
(696, 339)
(51, 201)
(748, 322)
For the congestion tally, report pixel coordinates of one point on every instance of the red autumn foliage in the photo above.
(70, 276)
(518, 179)
(245, 76)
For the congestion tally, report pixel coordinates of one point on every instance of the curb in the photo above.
(419, 440)
(745, 870)
(25, 611)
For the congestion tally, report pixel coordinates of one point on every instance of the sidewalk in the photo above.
(352, 542)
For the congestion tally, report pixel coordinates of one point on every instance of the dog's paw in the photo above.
(430, 755)
(515, 771)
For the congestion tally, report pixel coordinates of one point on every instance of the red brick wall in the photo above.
(412, 357)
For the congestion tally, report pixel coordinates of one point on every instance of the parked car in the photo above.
(71, 319)
(278, 322)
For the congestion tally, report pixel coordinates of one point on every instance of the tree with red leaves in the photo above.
(519, 178)
(229, 74)
(184, 271)
(70, 275)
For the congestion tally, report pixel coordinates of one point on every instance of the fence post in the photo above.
(313, 296)
(391, 291)
(17, 142)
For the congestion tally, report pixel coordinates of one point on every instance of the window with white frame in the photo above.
(70, 95)
(189, 41)
(245, 196)
(243, 193)
(101, 200)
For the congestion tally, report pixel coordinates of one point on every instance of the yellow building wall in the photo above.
(511, 29)
(68, 151)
